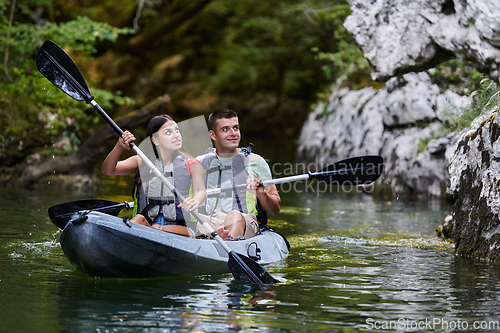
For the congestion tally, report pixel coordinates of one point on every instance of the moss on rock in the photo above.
(474, 223)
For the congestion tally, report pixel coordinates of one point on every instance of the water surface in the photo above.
(356, 264)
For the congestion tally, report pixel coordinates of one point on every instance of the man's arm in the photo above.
(268, 196)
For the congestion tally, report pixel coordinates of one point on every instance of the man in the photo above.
(233, 213)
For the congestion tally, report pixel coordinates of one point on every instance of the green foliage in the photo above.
(79, 35)
(29, 104)
(286, 45)
(346, 58)
(482, 100)
(343, 61)
(456, 75)
(266, 51)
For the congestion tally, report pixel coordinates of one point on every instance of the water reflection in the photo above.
(474, 289)
(185, 304)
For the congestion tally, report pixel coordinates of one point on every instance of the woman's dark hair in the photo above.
(153, 127)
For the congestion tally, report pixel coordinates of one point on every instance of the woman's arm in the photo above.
(198, 181)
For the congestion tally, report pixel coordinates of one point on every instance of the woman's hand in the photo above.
(113, 166)
(189, 204)
(126, 139)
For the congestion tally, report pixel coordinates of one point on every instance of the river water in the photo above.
(356, 264)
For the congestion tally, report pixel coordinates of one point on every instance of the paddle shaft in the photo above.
(262, 183)
(291, 179)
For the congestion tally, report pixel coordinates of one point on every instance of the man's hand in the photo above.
(268, 195)
(223, 233)
(253, 186)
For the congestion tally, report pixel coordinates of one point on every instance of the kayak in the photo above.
(104, 245)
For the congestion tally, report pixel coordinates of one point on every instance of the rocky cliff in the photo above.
(395, 122)
(404, 121)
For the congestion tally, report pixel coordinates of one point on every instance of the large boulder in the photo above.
(399, 36)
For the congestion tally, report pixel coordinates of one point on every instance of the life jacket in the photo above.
(154, 194)
(225, 175)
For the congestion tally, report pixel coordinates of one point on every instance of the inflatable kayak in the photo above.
(104, 245)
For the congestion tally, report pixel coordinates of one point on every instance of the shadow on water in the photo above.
(202, 303)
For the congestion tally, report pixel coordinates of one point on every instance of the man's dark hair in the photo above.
(219, 114)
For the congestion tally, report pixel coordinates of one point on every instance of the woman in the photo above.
(156, 205)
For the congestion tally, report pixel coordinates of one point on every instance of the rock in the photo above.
(474, 222)
(331, 129)
(411, 98)
(390, 122)
(399, 36)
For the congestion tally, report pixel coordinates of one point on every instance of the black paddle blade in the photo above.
(62, 213)
(361, 170)
(59, 69)
(246, 270)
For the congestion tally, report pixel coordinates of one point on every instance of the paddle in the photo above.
(362, 170)
(61, 214)
(59, 69)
